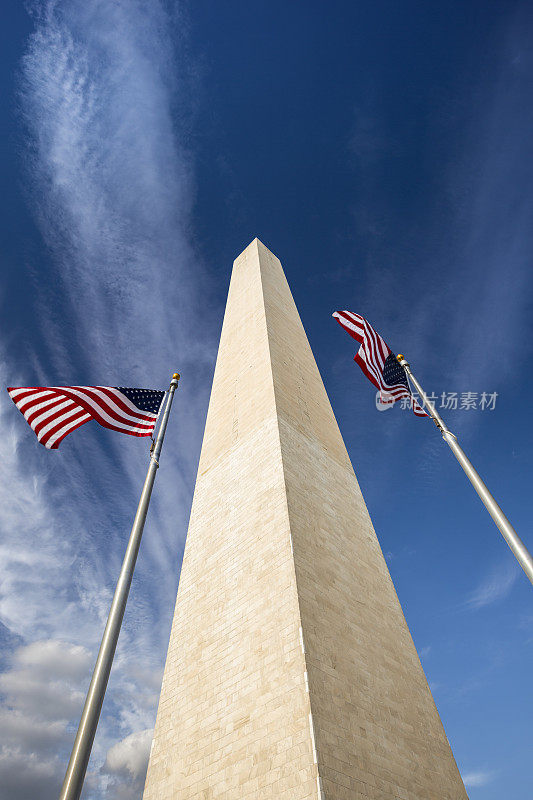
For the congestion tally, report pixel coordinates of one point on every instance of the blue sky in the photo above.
(384, 152)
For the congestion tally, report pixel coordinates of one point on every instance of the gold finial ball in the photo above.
(400, 357)
(176, 376)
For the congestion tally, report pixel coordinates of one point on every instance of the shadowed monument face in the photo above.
(290, 672)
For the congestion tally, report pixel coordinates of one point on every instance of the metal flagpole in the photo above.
(77, 766)
(506, 529)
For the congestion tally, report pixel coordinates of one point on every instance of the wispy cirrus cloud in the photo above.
(111, 181)
(472, 306)
(104, 96)
(461, 313)
(490, 311)
(494, 587)
(478, 778)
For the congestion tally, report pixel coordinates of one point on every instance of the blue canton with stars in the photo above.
(394, 373)
(144, 399)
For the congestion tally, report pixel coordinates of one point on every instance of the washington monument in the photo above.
(291, 672)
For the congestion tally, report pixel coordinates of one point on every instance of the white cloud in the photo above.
(33, 557)
(130, 756)
(41, 691)
(478, 778)
(496, 586)
(25, 776)
(48, 658)
(109, 181)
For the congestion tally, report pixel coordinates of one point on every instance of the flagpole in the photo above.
(77, 766)
(517, 546)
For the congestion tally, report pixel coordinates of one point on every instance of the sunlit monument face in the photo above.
(291, 672)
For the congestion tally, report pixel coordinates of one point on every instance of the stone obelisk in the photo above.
(290, 672)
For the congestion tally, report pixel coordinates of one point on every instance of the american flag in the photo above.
(377, 360)
(54, 411)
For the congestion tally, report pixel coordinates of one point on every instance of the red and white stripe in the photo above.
(371, 357)
(54, 411)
